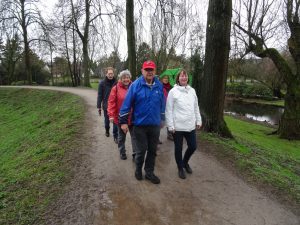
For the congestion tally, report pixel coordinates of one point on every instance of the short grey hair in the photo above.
(123, 73)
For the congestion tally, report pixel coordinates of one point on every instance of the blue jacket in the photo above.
(147, 103)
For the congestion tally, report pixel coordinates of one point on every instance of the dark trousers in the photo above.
(146, 139)
(107, 125)
(122, 139)
(190, 138)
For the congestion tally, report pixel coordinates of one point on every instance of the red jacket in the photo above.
(115, 101)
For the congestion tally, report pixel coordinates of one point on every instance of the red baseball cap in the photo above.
(149, 65)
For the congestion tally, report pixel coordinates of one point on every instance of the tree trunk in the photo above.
(216, 65)
(289, 126)
(86, 69)
(131, 38)
(26, 44)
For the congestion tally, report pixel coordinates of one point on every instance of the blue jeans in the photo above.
(190, 138)
(146, 139)
(107, 125)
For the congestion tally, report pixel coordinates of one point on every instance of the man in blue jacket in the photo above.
(145, 101)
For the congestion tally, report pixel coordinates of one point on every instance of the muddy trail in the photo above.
(105, 191)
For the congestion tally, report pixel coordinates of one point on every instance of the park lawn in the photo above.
(94, 85)
(264, 157)
(37, 132)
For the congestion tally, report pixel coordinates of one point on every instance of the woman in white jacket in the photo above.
(182, 119)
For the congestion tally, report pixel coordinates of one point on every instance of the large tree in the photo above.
(259, 27)
(88, 14)
(215, 68)
(21, 14)
(131, 37)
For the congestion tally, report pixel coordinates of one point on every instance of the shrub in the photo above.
(252, 90)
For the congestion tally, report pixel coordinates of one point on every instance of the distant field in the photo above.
(38, 129)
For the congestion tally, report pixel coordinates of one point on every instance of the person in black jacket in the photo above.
(104, 89)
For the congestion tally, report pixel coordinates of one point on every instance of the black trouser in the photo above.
(107, 124)
(122, 139)
(178, 142)
(146, 138)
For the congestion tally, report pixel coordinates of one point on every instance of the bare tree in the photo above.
(216, 65)
(255, 30)
(21, 14)
(84, 14)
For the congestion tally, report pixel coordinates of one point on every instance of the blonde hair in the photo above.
(109, 68)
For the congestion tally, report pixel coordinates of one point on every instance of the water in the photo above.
(264, 113)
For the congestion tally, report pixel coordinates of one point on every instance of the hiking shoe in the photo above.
(116, 140)
(123, 156)
(181, 174)
(138, 175)
(107, 134)
(188, 168)
(154, 179)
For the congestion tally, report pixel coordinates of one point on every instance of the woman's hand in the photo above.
(124, 128)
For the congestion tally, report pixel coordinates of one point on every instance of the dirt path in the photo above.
(104, 190)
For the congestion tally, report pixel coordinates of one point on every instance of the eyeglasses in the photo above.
(149, 69)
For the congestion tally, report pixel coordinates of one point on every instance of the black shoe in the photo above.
(123, 156)
(159, 142)
(107, 133)
(133, 157)
(138, 175)
(181, 174)
(188, 168)
(116, 140)
(154, 179)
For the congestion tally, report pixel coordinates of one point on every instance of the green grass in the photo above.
(95, 85)
(37, 131)
(265, 102)
(266, 158)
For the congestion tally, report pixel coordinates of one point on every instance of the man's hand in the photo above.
(171, 131)
(198, 127)
(124, 128)
(99, 111)
(111, 120)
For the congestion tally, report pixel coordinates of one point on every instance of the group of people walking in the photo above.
(143, 107)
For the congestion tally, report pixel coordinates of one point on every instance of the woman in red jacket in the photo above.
(115, 101)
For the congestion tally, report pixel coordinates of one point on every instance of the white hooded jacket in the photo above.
(182, 110)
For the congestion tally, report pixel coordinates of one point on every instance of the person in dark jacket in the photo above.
(104, 89)
(166, 88)
(145, 101)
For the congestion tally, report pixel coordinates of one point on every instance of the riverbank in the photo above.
(279, 103)
(261, 158)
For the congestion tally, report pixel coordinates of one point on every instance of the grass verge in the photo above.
(264, 158)
(37, 128)
(95, 85)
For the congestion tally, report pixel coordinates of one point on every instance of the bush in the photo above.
(252, 90)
